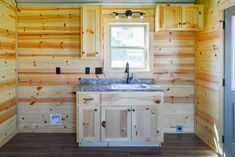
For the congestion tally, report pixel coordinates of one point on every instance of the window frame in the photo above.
(145, 47)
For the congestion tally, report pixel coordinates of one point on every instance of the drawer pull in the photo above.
(88, 99)
(103, 124)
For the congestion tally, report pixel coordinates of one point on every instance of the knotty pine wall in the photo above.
(49, 37)
(209, 74)
(7, 70)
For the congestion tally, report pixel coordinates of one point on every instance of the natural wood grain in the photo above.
(7, 70)
(209, 74)
(42, 48)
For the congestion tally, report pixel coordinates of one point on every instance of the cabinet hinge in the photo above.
(223, 82)
(223, 23)
(223, 139)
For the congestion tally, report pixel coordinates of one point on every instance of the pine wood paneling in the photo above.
(174, 68)
(209, 74)
(49, 37)
(7, 70)
(46, 43)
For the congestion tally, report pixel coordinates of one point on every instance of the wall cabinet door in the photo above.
(90, 35)
(145, 123)
(170, 17)
(192, 17)
(89, 123)
(179, 18)
(116, 123)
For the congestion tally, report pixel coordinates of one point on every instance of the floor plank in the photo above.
(61, 145)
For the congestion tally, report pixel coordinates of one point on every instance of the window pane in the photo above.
(127, 36)
(120, 56)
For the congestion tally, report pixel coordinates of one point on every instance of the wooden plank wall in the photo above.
(49, 37)
(7, 70)
(173, 67)
(209, 74)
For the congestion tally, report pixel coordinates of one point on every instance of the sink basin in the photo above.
(129, 86)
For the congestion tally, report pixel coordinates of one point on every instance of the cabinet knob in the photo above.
(95, 110)
(129, 110)
(133, 110)
(184, 23)
(147, 108)
(180, 23)
(158, 101)
(83, 52)
(97, 53)
(103, 124)
(158, 131)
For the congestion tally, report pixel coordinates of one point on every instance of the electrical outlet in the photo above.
(87, 70)
(57, 70)
(179, 128)
(55, 119)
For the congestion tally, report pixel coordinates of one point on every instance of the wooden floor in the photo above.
(64, 145)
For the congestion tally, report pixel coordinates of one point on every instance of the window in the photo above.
(129, 43)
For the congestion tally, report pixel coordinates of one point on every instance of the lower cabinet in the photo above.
(119, 124)
(115, 123)
(89, 123)
(145, 124)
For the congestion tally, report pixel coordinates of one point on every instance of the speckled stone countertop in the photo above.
(88, 81)
(104, 85)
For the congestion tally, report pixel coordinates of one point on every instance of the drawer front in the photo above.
(138, 98)
(89, 98)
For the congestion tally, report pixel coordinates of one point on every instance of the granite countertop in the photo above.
(107, 88)
(104, 85)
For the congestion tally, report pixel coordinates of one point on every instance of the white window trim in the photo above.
(147, 51)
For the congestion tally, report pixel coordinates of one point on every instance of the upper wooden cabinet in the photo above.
(181, 18)
(90, 35)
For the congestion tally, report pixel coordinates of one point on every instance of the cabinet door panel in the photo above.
(116, 123)
(89, 120)
(90, 38)
(192, 17)
(145, 123)
(170, 17)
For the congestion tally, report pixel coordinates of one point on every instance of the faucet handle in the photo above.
(132, 75)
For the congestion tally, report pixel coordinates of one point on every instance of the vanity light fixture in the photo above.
(129, 14)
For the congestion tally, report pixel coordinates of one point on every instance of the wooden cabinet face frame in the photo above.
(130, 118)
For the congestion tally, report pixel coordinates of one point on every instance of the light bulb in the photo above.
(141, 15)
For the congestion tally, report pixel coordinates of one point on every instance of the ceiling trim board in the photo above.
(107, 1)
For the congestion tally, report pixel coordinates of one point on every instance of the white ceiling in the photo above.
(105, 1)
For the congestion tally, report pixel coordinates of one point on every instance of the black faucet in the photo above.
(128, 78)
